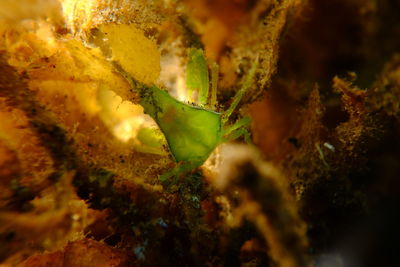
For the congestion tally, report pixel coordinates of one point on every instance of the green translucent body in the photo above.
(192, 132)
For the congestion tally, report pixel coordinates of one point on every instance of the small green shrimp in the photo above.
(193, 132)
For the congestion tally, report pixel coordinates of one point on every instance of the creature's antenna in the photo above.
(239, 95)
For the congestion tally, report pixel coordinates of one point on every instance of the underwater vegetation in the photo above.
(199, 133)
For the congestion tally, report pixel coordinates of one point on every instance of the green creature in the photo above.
(193, 132)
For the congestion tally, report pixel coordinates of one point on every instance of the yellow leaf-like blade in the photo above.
(133, 51)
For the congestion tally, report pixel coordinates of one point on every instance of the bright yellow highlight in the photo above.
(128, 123)
(123, 118)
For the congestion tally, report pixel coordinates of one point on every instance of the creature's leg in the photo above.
(181, 168)
(243, 122)
(237, 133)
(239, 95)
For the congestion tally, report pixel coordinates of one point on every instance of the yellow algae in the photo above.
(16, 134)
(135, 53)
(91, 65)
